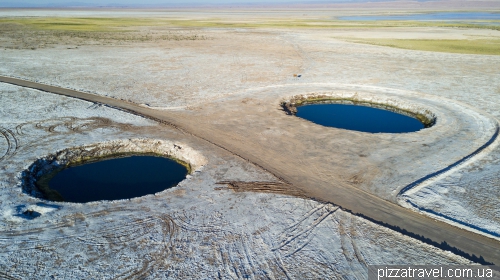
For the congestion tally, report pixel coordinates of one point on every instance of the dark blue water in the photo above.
(117, 178)
(359, 118)
(430, 16)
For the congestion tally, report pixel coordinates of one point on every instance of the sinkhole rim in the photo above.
(52, 164)
(423, 115)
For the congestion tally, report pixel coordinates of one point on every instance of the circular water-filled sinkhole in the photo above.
(114, 170)
(112, 179)
(359, 116)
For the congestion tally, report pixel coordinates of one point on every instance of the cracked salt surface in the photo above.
(189, 231)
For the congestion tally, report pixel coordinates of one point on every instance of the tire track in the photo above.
(169, 230)
(7, 276)
(134, 273)
(299, 235)
(451, 168)
(182, 223)
(109, 233)
(263, 187)
(69, 124)
(120, 235)
(12, 143)
(135, 232)
(116, 235)
(405, 200)
(349, 248)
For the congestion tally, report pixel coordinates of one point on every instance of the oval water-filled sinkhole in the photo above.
(112, 179)
(359, 118)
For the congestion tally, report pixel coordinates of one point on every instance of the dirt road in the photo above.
(305, 177)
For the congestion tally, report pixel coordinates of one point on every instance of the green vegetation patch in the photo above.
(477, 46)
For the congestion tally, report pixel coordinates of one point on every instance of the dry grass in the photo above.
(27, 33)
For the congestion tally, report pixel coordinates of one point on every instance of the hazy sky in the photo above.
(52, 3)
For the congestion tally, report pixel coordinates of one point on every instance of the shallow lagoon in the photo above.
(429, 17)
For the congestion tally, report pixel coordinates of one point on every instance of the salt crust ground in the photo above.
(246, 59)
(195, 230)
